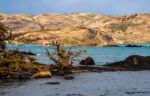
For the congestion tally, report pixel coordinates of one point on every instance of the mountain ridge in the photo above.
(78, 29)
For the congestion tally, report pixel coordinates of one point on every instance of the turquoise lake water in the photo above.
(101, 55)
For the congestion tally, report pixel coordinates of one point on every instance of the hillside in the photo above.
(78, 29)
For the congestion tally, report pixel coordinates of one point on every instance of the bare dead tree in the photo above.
(5, 34)
(63, 57)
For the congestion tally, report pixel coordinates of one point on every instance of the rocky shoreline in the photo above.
(36, 70)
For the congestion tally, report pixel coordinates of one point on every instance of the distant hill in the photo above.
(78, 29)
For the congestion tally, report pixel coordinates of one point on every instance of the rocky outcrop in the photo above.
(130, 45)
(133, 62)
(79, 29)
(87, 61)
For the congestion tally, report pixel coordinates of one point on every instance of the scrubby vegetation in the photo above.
(5, 34)
(123, 26)
(63, 57)
(15, 64)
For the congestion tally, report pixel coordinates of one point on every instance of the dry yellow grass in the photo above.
(44, 28)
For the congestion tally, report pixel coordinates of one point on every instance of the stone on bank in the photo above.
(42, 74)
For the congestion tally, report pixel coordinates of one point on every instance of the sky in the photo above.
(106, 7)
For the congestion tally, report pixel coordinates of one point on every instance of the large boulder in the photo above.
(133, 62)
(87, 61)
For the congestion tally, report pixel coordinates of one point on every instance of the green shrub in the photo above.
(15, 64)
(63, 57)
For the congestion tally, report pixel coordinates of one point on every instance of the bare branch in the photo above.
(51, 57)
